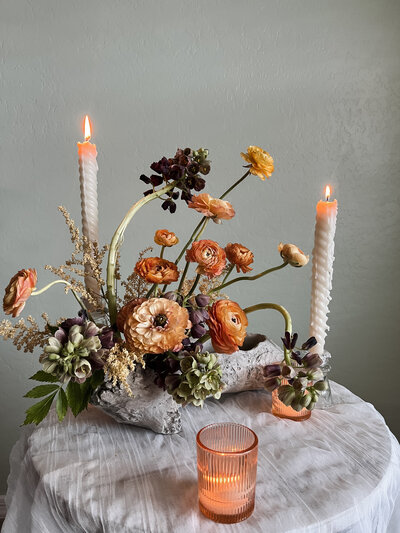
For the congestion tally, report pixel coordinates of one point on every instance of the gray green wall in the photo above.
(315, 82)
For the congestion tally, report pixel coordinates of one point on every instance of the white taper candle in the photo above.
(322, 270)
(89, 205)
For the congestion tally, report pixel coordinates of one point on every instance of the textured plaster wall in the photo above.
(315, 82)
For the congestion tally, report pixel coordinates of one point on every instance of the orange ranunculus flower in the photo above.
(262, 164)
(227, 326)
(214, 208)
(163, 237)
(126, 310)
(293, 255)
(157, 325)
(210, 257)
(240, 256)
(18, 291)
(157, 270)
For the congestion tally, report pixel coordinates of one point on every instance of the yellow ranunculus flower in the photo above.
(262, 164)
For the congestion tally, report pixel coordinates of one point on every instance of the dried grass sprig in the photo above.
(26, 336)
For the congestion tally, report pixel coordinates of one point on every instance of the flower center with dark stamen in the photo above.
(160, 321)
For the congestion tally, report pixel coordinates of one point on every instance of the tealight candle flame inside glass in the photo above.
(227, 468)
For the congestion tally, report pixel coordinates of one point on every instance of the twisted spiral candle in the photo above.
(88, 168)
(322, 270)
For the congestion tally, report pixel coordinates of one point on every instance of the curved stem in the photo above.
(207, 220)
(191, 239)
(234, 185)
(284, 312)
(41, 291)
(231, 267)
(116, 243)
(249, 278)
(196, 281)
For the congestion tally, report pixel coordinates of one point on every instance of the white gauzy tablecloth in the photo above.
(339, 471)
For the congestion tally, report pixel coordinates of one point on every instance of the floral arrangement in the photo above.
(164, 317)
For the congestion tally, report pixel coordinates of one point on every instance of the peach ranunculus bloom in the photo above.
(262, 164)
(227, 326)
(157, 325)
(209, 255)
(163, 237)
(18, 291)
(126, 310)
(293, 255)
(215, 208)
(240, 256)
(157, 270)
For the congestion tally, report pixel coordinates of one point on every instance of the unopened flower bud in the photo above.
(306, 400)
(315, 374)
(202, 300)
(321, 385)
(198, 331)
(272, 383)
(286, 394)
(288, 372)
(272, 370)
(312, 360)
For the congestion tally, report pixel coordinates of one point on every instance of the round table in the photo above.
(339, 471)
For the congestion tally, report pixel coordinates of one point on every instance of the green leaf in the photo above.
(38, 411)
(61, 404)
(44, 376)
(97, 379)
(78, 396)
(41, 390)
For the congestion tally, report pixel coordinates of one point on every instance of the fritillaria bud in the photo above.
(312, 360)
(202, 300)
(270, 371)
(272, 383)
(288, 372)
(315, 374)
(321, 385)
(306, 400)
(171, 295)
(198, 331)
(286, 394)
(196, 317)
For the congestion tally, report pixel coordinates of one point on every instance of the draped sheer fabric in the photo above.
(339, 471)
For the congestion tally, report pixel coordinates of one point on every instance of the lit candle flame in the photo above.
(88, 132)
(327, 192)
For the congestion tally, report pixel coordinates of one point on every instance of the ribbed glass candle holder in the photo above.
(227, 469)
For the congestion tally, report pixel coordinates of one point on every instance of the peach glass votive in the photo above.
(227, 468)
(281, 410)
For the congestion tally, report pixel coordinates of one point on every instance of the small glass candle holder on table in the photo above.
(227, 469)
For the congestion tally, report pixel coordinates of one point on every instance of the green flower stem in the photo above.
(204, 338)
(183, 276)
(203, 227)
(162, 251)
(116, 243)
(284, 312)
(191, 239)
(234, 185)
(153, 288)
(196, 281)
(231, 267)
(41, 291)
(197, 228)
(249, 278)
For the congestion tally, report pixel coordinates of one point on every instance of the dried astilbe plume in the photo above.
(120, 363)
(135, 286)
(26, 336)
(86, 260)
